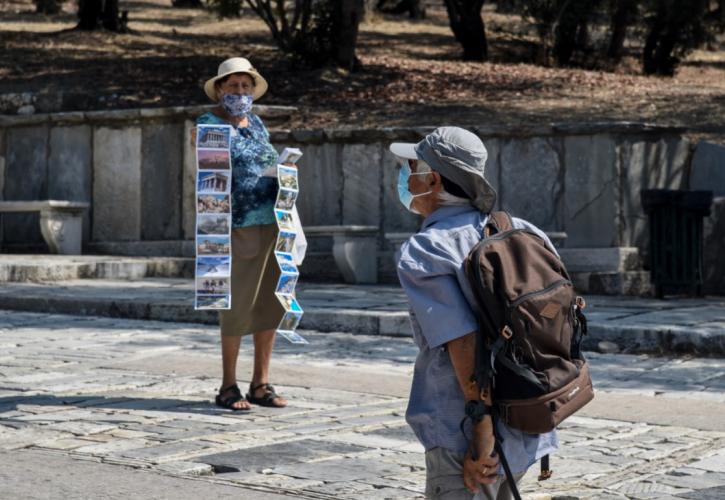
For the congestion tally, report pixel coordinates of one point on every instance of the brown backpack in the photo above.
(531, 325)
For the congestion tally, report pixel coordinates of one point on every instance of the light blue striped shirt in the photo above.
(431, 271)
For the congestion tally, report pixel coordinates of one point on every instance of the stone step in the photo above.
(367, 310)
(628, 283)
(630, 324)
(42, 268)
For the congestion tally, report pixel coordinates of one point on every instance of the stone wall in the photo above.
(136, 168)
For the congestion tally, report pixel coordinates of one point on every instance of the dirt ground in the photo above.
(411, 73)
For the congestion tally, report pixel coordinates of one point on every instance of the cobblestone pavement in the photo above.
(138, 394)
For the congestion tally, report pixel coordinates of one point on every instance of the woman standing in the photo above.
(254, 308)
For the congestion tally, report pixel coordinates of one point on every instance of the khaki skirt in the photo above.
(255, 273)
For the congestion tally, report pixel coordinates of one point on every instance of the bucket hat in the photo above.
(459, 156)
(236, 65)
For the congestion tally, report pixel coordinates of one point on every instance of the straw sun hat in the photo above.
(236, 65)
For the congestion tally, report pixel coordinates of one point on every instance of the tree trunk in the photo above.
(468, 28)
(622, 16)
(349, 15)
(89, 12)
(677, 25)
(96, 14)
(110, 15)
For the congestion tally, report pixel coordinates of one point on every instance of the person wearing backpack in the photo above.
(442, 179)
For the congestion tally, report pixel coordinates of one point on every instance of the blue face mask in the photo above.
(237, 105)
(406, 197)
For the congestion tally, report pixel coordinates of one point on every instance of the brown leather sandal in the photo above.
(265, 400)
(234, 396)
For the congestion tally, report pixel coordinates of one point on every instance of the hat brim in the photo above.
(260, 84)
(404, 150)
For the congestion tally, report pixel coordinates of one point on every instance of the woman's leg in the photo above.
(230, 353)
(263, 345)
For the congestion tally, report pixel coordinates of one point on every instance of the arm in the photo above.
(480, 464)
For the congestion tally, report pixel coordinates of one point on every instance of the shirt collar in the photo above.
(446, 212)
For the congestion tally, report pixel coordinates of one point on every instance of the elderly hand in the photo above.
(484, 468)
(481, 471)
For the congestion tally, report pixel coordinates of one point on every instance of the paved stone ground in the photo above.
(136, 394)
(632, 324)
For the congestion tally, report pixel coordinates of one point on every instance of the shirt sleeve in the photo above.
(435, 295)
(205, 119)
(260, 124)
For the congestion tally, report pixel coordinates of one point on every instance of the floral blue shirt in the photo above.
(253, 196)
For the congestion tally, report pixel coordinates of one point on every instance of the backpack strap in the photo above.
(497, 222)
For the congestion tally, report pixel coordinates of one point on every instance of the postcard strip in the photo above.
(285, 291)
(213, 218)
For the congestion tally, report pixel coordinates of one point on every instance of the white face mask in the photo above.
(406, 197)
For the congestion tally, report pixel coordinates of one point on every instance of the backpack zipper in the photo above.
(526, 296)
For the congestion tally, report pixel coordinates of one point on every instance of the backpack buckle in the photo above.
(507, 332)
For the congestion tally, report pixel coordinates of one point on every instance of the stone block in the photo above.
(361, 184)
(657, 164)
(161, 172)
(188, 184)
(2, 166)
(395, 217)
(2, 176)
(633, 283)
(356, 257)
(708, 168)
(116, 184)
(713, 248)
(69, 168)
(531, 185)
(614, 259)
(321, 184)
(26, 178)
(591, 196)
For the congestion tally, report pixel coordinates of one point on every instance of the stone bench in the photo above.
(354, 248)
(61, 222)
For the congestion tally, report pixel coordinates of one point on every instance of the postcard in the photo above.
(213, 245)
(213, 159)
(293, 337)
(214, 182)
(289, 302)
(285, 242)
(213, 136)
(287, 177)
(213, 224)
(212, 286)
(213, 302)
(286, 199)
(289, 155)
(287, 283)
(284, 219)
(208, 267)
(213, 204)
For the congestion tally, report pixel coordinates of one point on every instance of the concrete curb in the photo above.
(702, 340)
(388, 323)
